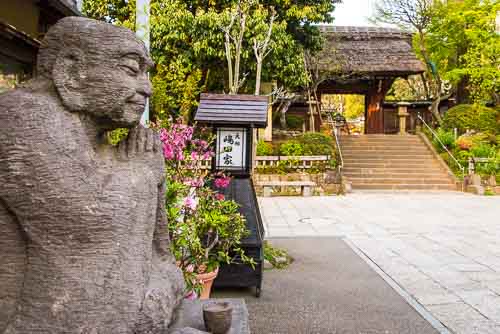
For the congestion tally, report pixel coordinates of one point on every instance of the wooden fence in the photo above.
(299, 162)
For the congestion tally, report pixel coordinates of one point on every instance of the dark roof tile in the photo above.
(248, 110)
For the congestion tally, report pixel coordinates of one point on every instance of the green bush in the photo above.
(318, 149)
(447, 138)
(483, 151)
(315, 138)
(291, 148)
(294, 122)
(316, 143)
(264, 148)
(472, 117)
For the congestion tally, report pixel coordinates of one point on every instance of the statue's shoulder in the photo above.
(24, 104)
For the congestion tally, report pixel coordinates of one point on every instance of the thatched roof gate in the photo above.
(365, 60)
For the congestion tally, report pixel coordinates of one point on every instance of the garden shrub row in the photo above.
(310, 143)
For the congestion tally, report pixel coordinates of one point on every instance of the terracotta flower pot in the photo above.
(207, 279)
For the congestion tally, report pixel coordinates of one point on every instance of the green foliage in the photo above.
(278, 257)
(350, 105)
(409, 89)
(354, 106)
(294, 122)
(117, 135)
(187, 45)
(483, 151)
(447, 138)
(316, 143)
(291, 148)
(464, 46)
(316, 138)
(472, 117)
(264, 148)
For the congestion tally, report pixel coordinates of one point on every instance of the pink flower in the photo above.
(198, 182)
(222, 182)
(191, 295)
(219, 197)
(194, 156)
(168, 152)
(207, 155)
(190, 203)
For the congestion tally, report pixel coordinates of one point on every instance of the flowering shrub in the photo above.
(205, 229)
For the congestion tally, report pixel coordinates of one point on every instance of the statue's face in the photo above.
(117, 84)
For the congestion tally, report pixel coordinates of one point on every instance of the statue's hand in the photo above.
(142, 145)
(140, 140)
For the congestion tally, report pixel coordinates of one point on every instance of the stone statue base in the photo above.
(190, 317)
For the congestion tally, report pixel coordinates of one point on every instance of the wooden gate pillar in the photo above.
(374, 116)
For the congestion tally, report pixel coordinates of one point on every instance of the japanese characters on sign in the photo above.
(231, 148)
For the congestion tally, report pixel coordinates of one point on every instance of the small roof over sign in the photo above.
(248, 110)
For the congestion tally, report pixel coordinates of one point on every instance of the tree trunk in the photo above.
(257, 76)
(283, 111)
(237, 56)
(437, 84)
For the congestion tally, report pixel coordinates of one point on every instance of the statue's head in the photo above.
(97, 68)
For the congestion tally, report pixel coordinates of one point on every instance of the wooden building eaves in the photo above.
(244, 110)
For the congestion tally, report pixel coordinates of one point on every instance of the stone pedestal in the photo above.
(190, 317)
(402, 114)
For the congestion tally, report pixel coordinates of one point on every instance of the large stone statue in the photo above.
(83, 235)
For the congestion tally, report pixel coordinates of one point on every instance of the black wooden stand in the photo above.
(241, 190)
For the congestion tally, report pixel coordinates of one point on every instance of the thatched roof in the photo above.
(368, 51)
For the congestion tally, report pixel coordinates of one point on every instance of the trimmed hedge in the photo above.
(316, 143)
(264, 148)
(294, 122)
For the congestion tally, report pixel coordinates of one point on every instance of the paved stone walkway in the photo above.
(442, 248)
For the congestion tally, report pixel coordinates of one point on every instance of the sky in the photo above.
(353, 13)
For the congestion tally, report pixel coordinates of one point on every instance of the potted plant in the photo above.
(205, 228)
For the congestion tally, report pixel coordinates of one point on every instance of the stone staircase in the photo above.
(393, 162)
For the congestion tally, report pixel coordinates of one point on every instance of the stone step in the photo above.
(388, 175)
(402, 180)
(409, 162)
(402, 139)
(448, 186)
(388, 170)
(387, 156)
(390, 164)
(384, 162)
(415, 140)
(384, 148)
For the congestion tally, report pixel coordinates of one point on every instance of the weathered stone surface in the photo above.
(187, 330)
(190, 314)
(83, 235)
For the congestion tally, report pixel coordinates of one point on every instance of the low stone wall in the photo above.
(327, 183)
